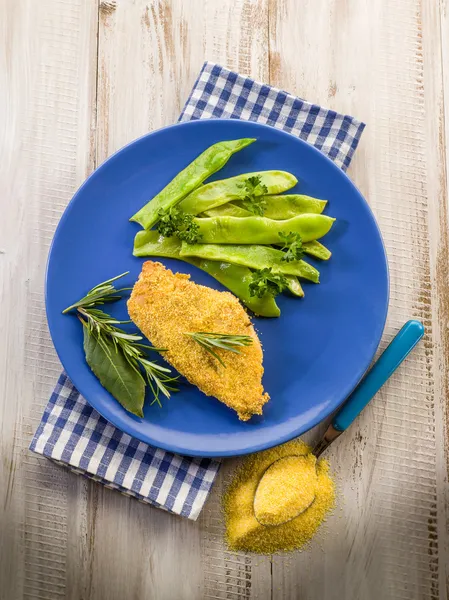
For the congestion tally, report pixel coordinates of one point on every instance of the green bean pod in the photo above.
(314, 248)
(235, 278)
(286, 206)
(252, 256)
(317, 250)
(220, 192)
(278, 207)
(152, 243)
(227, 210)
(260, 230)
(205, 165)
(294, 287)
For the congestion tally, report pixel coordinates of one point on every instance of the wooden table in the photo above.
(77, 81)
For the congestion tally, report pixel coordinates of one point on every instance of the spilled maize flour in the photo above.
(286, 489)
(290, 480)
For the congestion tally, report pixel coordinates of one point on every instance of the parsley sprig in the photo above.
(292, 246)
(175, 222)
(254, 190)
(265, 281)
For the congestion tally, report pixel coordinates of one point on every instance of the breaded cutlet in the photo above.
(166, 305)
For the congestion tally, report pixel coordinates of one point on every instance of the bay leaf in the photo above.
(114, 372)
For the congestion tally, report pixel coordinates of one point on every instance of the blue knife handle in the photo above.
(399, 348)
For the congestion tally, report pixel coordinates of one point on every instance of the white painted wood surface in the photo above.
(78, 80)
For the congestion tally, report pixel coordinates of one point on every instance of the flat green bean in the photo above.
(205, 165)
(294, 287)
(277, 206)
(316, 249)
(235, 278)
(252, 256)
(286, 206)
(227, 210)
(260, 230)
(152, 243)
(220, 192)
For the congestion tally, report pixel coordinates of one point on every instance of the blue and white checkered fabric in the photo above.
(71, 432)
(220, 93)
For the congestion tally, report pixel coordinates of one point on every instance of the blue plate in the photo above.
(314, 354)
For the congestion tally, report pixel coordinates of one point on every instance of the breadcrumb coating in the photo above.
(166, 305)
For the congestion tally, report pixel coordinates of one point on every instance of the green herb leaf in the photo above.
(253, 198)
(117, 357)
(103, 327)
(100, 294)
(168, 221)
(175, 222)
(109, 364)
(191, 232)
(265, 281)
(255, 204)
(209, 341)
(292, 246)
(159, 379)
(255, 187)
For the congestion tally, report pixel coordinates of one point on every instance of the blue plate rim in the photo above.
(131, 429)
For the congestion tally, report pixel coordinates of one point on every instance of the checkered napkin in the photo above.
(71, 431)
(219, 93)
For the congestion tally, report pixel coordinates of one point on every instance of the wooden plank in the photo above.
(439, 224)
(387, 538)
(47, 61)
(138, 551)
(150, 54)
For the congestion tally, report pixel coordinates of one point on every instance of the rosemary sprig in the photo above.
(101, 324)
(209, 341)
(103, 328)
(100, 294)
